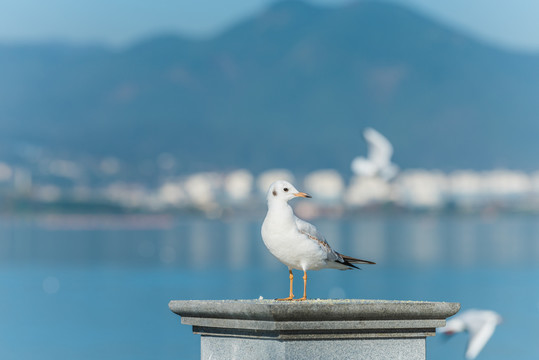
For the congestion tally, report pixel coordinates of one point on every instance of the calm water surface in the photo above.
(99, 290)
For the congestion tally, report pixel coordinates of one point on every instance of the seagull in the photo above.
(480, 325)
(295, 242)
(378, 160)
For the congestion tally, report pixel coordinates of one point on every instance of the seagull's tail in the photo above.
(356, 261)
(350, 261)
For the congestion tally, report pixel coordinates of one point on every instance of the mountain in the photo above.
(292, 87)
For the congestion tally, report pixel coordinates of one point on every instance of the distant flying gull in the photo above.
(378, 160)
(480, 325)
(296, 243)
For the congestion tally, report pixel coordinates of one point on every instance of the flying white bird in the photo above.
(378, 160)
(296, 243)
(480, 325)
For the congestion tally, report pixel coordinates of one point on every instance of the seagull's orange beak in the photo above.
(302, 194)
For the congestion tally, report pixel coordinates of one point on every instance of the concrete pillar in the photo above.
(313, 329)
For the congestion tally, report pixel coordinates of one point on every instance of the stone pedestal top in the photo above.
(322, 318)
(314, 310)
(313, 329)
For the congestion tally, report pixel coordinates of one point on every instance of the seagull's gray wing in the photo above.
(312, 233)
(335, 259)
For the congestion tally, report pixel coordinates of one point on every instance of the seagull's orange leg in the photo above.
(304, 287)
(291, 276)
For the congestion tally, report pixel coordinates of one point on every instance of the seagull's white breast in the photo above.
(293, 248)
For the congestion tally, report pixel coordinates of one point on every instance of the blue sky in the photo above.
(511, 24)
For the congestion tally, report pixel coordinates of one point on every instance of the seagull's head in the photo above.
(282, 190)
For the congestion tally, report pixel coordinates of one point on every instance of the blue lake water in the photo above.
(102, 292)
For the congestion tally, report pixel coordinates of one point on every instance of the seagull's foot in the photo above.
(291, 297)
(301, 299)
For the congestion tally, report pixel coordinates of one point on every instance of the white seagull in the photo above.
(378, 160)
(480, 325)
(296, 243)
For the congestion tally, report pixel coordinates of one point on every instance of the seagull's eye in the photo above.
(285, 189)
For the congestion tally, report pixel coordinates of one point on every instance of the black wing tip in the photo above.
(359, 261)
(349, 264)
(348, 260)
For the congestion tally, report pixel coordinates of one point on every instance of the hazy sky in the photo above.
(507, 23)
